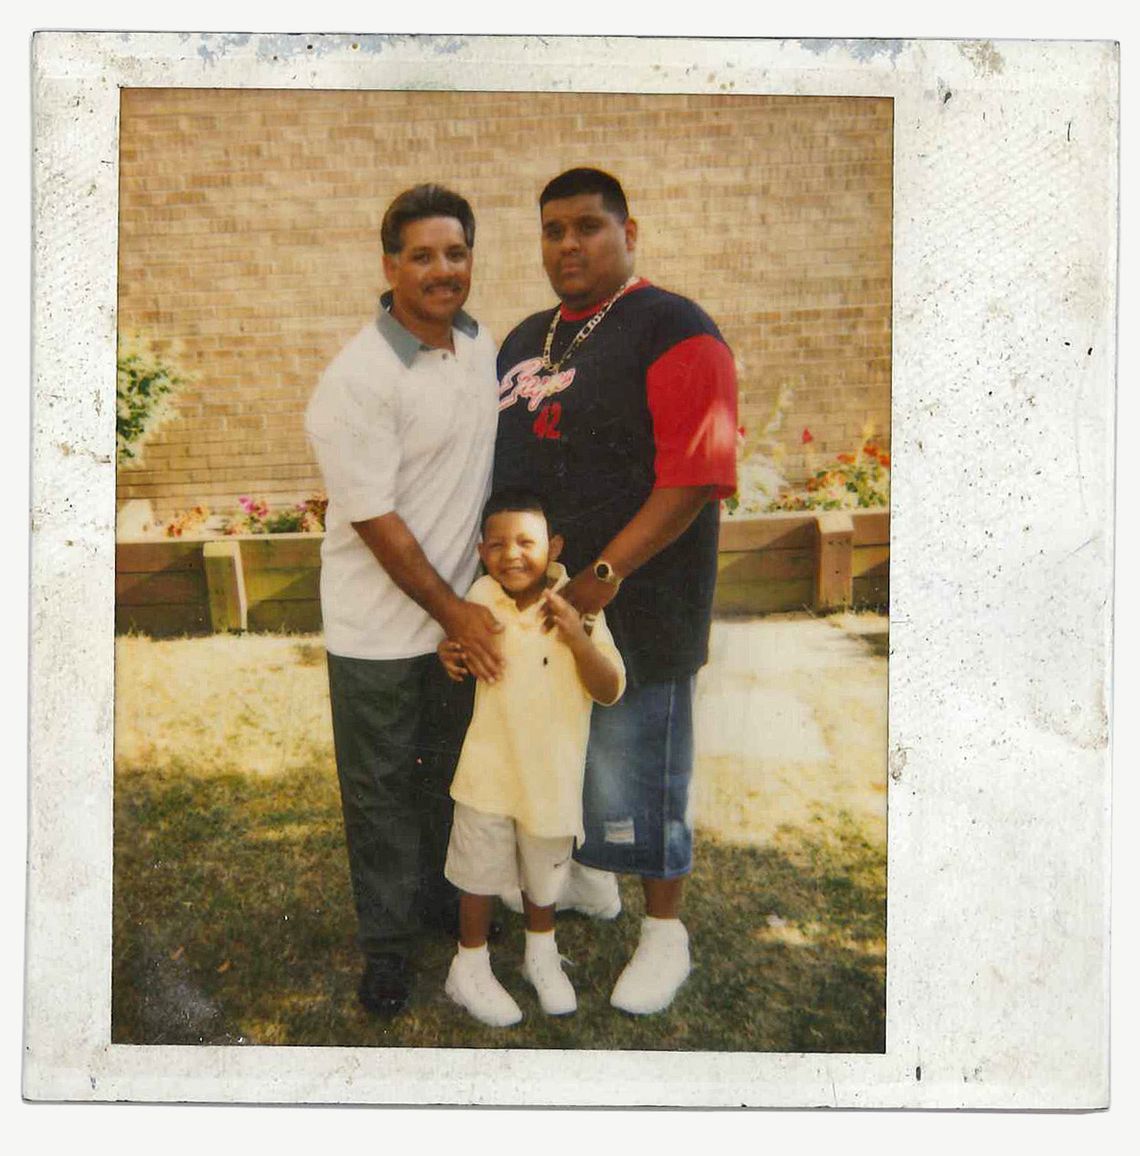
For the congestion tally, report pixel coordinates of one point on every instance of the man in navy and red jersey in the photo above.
(620, 408)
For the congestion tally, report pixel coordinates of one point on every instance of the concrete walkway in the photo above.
(792, 724)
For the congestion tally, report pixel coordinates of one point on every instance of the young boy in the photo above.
(518, 785)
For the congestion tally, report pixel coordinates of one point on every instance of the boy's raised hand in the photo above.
(561, 616)
(451, 656)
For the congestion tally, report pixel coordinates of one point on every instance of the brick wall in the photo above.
(249, 250)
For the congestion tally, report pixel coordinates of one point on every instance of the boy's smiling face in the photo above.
(516, 549)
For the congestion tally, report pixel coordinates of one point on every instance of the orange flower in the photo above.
(846, 459)
(885, 460)
(871, 450)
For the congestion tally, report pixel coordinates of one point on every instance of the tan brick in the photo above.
(249, 224)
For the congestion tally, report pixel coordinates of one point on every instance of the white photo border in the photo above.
(1001, 571)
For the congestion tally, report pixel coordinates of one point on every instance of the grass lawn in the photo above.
(233, 918)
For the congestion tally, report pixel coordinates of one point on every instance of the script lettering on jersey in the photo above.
(524, 383)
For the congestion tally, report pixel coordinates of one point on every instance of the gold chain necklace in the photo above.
(553, 367)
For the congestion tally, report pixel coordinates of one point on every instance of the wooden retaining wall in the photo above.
(271, 582)
(282, 581)
(265, 582)
(871, 558)
(160, 588)
(822, 560)
(766, 564)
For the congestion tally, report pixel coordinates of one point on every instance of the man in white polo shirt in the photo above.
(403, 427)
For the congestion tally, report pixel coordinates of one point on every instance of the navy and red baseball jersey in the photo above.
(648, 399)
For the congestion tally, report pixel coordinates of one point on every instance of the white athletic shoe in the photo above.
(472, 984)
(658, 968)
(542, 969)
(592, 892)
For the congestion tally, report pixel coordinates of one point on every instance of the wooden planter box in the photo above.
(262, 582)
(822, 560)
(160, 588)
(271, 582)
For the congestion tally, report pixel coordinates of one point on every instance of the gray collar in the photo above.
(406, 345)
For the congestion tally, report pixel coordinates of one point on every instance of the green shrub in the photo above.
(142, 396)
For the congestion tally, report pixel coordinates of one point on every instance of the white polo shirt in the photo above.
(525, 751)
(397, 426)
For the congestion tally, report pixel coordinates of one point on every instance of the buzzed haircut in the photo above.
(417, 204)
(513, 500)
(576, 182)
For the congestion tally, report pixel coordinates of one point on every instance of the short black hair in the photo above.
(514, 500)
(417, 204)
(575, 182)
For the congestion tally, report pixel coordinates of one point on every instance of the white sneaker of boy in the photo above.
(542, 969)
(472, 984)
(590, 891)
(658, 968)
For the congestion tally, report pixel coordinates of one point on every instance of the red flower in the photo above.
(885, 460)
(871, 450)
(846, 459)
(806, 437)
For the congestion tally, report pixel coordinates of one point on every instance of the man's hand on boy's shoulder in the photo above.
(475, 629)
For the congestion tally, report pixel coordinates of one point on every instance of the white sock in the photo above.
(472, 956)
(540, 943)
(667, 927)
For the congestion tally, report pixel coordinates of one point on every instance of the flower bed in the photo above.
(271, 582)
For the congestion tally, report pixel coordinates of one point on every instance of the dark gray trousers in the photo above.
(398, 726)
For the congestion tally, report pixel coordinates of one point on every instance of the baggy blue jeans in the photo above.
(639, 765)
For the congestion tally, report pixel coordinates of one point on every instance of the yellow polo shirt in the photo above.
(525, 751)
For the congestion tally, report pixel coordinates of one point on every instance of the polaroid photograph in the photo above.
(806, 350)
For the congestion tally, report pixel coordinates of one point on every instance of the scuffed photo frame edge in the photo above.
(938, 1032)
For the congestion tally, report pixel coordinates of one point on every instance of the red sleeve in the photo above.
(691, 390)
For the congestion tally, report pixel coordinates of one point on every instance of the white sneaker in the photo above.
(658, 968)
(590, 891)
(542, 969)
(472, 984)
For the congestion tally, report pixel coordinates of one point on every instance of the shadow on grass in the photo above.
(233, 924)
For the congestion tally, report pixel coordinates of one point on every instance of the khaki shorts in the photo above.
(491, 854)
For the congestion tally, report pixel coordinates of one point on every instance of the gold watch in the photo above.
(604, 572)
